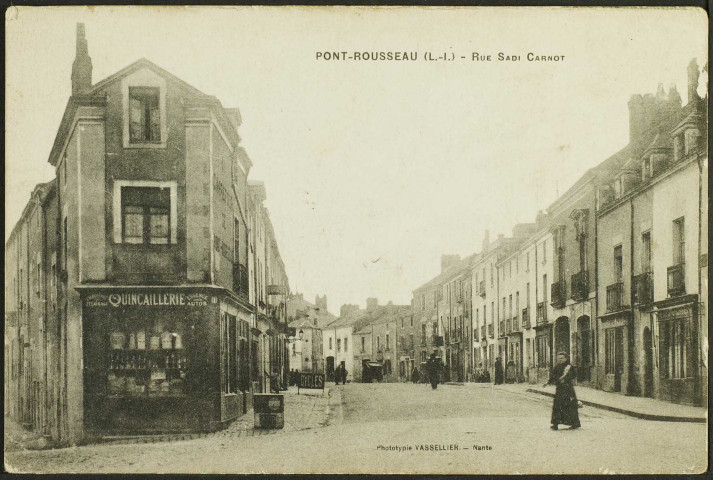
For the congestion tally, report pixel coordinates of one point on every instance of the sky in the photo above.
(373, 169)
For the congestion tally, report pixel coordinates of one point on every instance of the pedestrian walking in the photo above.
(499, 374)
(338, 374)
(414, 375)
(433, 368)
(564, 408)
(344, 373)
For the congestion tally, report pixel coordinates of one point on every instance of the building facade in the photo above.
(652, 217)
(614, 272)
(146, 254)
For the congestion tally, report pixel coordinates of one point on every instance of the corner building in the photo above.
(157, 321)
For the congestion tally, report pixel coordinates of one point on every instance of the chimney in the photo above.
(486, 241)
(660, 92)
(693, 81)
(82, 66)
(673, 96)
(636, 117)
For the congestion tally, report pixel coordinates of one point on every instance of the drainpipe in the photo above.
(631, 385)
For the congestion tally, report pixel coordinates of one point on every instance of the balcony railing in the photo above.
(491, 330)
(241, 284)
(541, 313)
(580, 285)
(643, 289)
(515, 324)
(615, 297)
(559, 294)
(481, 288)
(676, 284)
(483, 336)
(526, 318)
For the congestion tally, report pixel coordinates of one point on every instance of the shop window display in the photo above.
(147, 360)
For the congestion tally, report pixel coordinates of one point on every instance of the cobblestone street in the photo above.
(378, 428)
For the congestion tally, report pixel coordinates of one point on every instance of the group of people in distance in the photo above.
(565, 408)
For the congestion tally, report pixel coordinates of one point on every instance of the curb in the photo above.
(631, 413)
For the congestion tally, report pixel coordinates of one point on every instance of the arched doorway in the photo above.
(584, 349)
(561, 335)
(648, 364)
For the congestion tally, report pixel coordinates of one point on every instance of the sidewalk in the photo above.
(304, 411)
(16, 438)
(639, 407)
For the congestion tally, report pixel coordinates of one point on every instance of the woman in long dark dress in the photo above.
(564, 408)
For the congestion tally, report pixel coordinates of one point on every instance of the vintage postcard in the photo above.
(426, 240)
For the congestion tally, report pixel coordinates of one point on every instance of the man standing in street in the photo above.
(499, 374)
(433, 369)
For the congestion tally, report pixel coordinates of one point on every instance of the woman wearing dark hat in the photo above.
(564, 408)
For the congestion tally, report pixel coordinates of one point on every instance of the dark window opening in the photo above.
(144, 115)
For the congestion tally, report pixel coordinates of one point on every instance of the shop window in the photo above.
(542, 348)
(147, 358)
(146, 215)
(330, 343)
(230, 353)
(339, 344)
(677, 355)
(145, 115)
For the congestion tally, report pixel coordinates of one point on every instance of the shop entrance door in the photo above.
(648, 364)
(618, 357)
(330, 369)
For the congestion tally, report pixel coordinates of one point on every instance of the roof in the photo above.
(93, 97)
(301, 323)
(144, 63)
(449, 272)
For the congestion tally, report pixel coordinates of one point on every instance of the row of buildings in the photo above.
(144, 288)
(380, 337)
(614, 272)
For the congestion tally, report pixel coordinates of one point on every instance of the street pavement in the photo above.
(406, 428)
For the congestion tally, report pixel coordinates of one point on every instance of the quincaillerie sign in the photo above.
(147, 299)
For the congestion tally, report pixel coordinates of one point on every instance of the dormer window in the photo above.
(617, 188)
(690, 142)
(677, 147)
(646, 169)
(145, 115)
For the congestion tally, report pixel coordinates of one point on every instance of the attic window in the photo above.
(145, 115)
(617, 188)
(646, 169)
